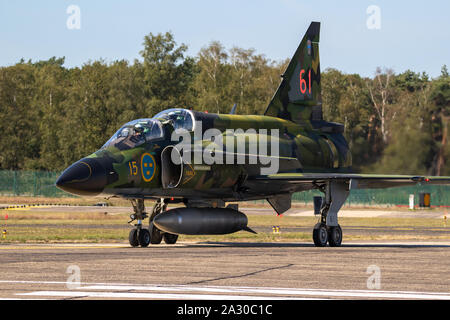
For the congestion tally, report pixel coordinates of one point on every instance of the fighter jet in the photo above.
(202, 161)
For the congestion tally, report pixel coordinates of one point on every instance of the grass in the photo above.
(89, 201)
(19, 234)
(42, 217)
(287, 221)
(90, 217)
(61, 224)
(98, 227)
(80, 201)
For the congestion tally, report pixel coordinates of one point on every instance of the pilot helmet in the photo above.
(139, 128)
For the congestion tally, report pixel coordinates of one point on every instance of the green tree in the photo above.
(167, 73)
(440, 95)
(19, 119)
(51, 92)
(212, 79)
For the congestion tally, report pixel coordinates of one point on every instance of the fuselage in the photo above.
(138, 161)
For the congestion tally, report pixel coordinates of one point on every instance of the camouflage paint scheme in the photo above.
(312, 151)
(300, 150)
(289, 102)
(140, 162)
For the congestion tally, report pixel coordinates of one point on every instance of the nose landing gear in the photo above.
(157, 235)
(138, 236)
(143, 237)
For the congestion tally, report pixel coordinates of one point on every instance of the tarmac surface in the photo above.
(224, 271)
(233, 270)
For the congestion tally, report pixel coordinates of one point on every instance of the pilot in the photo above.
(138, 132)
(121, 139)
(137, 136)
(179, 122)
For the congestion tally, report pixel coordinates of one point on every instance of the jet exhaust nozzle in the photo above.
(201, 221)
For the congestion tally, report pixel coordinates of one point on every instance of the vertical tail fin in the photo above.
(298, 97)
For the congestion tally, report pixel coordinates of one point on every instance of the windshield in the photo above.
(135, 133)
(180, 118)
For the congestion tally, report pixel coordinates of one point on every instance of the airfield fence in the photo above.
(30, 183)
(440, 196)
(42, 184)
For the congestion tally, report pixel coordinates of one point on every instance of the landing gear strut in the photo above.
(328, 230)
(157, 235)
(140, 236)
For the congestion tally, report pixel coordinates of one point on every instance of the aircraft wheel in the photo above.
(144, 237)
(133, 238)
(155, 235)
(335, 236)
(170, 238)
(320, 235)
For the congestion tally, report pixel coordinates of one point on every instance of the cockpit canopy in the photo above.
(135, 133)
(180, 118)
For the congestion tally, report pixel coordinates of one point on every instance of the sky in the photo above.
(355, 37)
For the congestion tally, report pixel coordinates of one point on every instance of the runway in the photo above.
(226, 271)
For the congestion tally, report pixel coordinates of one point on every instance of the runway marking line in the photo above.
(105, 290)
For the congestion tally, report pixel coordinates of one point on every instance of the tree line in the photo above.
(51, 116)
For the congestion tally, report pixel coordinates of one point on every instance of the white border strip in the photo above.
(220, 292)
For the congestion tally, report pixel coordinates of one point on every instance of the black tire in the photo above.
(133, 238)
(155, 235)
(335, 236)
(170, 238)
(144, 238)
(320, 235)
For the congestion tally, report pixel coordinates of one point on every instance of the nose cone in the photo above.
(85, 177)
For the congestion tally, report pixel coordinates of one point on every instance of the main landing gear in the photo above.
(328, 230)
(323, 235)
(143, 237)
